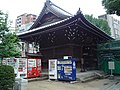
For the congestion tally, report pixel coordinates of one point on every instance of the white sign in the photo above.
(31, 62)
(111, 65)
(66, 57)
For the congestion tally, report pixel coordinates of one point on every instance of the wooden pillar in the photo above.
(54, 52)
(71, 51)
(81, 59)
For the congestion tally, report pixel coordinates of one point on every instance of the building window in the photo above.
(118, 22)
(115, 25)
(117, 36)
(19, 19)
(34, 18)
(19, 25)
(117, 31)
(19, 22)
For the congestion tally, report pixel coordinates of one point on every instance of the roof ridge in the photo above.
(52, 8)
(58, 7)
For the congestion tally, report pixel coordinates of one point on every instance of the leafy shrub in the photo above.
(7, 77)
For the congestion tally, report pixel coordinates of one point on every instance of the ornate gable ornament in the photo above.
(79, 11)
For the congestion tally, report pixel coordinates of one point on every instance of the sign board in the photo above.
(66, 57)
(31, 62)
(111, 65)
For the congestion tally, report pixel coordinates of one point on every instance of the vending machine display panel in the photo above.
(66, 69)
(53, 69)
(34, 68)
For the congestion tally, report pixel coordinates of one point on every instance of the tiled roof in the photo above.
(39, 28)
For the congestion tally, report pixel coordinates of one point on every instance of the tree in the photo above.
(3, 24)
(9, 46)
(112, 6)
(7, 77)
(9, 42)
(102, 24)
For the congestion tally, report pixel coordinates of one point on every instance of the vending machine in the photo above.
(19, 65)
(21, 70)
(66, 69)
(33, 68)
(52, 69)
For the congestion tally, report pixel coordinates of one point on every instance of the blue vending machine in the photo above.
(66, 69)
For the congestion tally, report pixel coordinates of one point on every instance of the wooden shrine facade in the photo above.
(61, 35)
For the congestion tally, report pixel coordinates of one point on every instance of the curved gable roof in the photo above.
(52, 11)
(79, 18)
(63, 19)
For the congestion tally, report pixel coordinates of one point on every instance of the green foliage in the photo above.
(102, 24)
(3, 24)
(8, 41)
(9, 46)
(112, 6)
(7, 77)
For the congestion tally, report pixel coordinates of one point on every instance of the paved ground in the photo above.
(60, 85)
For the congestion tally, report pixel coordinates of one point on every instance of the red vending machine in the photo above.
(34, 68)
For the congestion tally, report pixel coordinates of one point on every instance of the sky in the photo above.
(17, 7)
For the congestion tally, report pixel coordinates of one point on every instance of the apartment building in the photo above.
(114, 24)
(24, 21)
